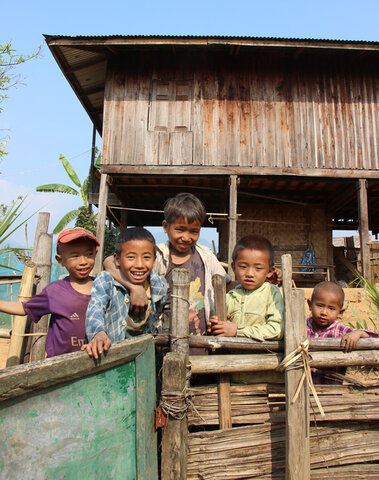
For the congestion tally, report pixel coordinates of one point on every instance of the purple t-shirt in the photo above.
(68, 309)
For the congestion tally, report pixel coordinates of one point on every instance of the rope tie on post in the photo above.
(297, 359)
(177, 404)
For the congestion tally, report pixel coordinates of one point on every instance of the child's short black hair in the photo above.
(331, 287)
(254, 242)
(134, 233)
(184, 205)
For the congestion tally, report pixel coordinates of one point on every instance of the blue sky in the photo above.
(43, 118)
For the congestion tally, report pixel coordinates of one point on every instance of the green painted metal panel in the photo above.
(99, 426)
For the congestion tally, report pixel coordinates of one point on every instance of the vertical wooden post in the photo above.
(43, 261)
(364, 228)
(297, 415)
(232, 221)
(17, 338)
(41, 229)
(93, 160)
(174, 380)
(224, 400)
(124, 219)
(180, 311)
(101, 217)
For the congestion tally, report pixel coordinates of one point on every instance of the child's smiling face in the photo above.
(251, 268)
(136, 260)
(325, 307)
(182, 234)
(78, 257)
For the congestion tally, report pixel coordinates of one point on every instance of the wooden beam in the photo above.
(212, 364)
(250, 345)
(24, 379)
(233, 181)
(235, 170)
(101, 217)
(364, 228)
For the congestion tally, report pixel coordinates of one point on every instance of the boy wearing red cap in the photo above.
(67, 299)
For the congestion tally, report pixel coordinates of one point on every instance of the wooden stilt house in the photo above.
(276, 136)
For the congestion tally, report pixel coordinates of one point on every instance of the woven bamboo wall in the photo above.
(290, 228)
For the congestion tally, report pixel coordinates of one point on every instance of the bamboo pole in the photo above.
(43, 260)
(223, 387)
(17, 337)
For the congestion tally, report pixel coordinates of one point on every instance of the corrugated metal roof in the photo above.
(245, 37)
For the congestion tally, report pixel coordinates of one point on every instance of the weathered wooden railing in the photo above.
(267, 357)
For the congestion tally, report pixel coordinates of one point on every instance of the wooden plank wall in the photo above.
(252, 110)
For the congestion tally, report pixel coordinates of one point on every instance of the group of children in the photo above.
(133, 294)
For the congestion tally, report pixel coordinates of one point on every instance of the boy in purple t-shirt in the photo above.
(67, 299)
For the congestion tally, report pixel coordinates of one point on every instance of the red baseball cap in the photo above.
(71, 234)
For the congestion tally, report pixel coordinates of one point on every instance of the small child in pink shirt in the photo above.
(325, 305)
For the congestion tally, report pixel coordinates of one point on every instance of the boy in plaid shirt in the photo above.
(325, 305)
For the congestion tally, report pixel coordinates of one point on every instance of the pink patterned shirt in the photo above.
(335, 330)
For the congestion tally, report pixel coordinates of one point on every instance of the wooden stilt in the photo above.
(180, 311)
(232, 221)
(100, 230)
(364, 228)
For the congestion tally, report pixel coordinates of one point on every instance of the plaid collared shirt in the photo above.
(109, 306)
(335, 330)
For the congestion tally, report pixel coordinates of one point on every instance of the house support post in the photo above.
(364, 228)
(101, 217)
(297, 414)
(233, 182)
(174, 382)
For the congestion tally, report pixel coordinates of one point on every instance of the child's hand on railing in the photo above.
(350, 340)
(222, 329)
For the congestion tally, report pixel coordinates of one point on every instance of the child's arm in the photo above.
(220, 328)
(98, 339)
(13, 308)
(138, 297)
(350, 340)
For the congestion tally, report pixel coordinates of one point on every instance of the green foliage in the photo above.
(86, 219)
(373, 294)
(82, 192)
(9, 216)
(110, 240)
(9, 60)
